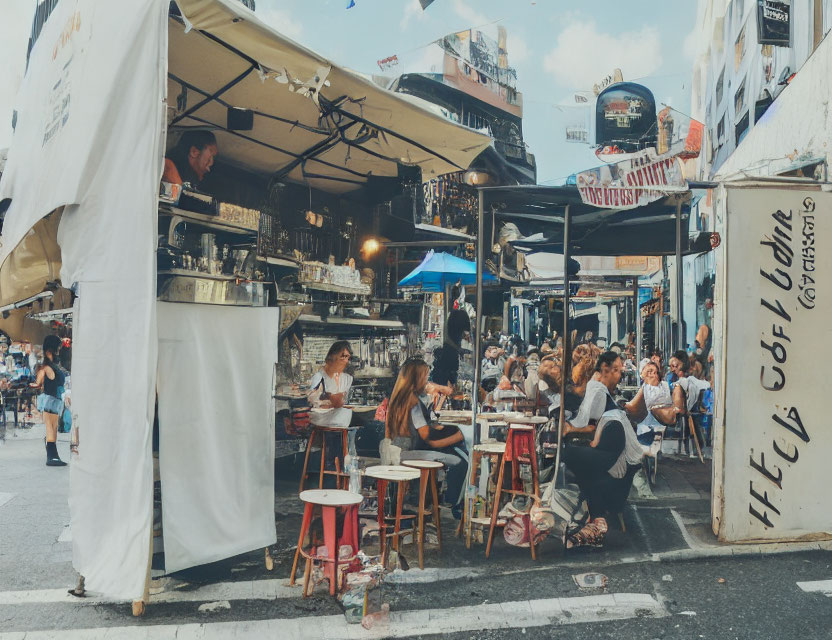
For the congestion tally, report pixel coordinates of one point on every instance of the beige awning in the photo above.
(314, 122)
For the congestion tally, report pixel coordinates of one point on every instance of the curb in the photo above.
(741, 551)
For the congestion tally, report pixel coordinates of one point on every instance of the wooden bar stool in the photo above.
(319, 432)
(520, 445)
(329, 501)
(385, 474)
(494, 451)
(428, 471)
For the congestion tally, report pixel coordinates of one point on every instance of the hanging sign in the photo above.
(643, 178)
(388, 63)
(775, 294)
(773, 18)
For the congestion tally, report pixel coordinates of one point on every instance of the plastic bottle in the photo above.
(351, 463)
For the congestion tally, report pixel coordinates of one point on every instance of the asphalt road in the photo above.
(463, 595)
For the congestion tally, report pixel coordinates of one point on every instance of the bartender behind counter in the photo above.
(191, 159)
(330, 387)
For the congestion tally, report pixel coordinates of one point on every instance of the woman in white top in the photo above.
(653, 399)
(330, 387)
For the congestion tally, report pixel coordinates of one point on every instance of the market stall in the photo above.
(309, 121)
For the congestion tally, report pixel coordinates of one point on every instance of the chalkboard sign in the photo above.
(773, 22)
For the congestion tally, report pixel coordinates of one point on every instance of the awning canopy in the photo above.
(538, 211)
(438, 270)
(314, 122)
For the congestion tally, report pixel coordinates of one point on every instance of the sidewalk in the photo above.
(35, 550)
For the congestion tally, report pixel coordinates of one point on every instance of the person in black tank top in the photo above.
(51, 378)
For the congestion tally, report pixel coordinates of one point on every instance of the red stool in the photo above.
(329, 500)
(427, 470)
(520, 449)
(383, 475)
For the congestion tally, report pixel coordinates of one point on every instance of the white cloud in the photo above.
(692, 44)
(582, 55)
(412, 10)
(518, 50)
(472, 17)
(281, 20)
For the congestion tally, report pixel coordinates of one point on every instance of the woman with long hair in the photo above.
(411, 426)
(50, 378)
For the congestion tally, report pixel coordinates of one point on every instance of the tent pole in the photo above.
(567, 349)
(475, 392)
(680, 330)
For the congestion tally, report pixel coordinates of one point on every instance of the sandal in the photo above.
(591, 534)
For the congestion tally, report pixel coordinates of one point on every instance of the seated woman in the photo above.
(652, 405)
(604, 469)
(411, 426)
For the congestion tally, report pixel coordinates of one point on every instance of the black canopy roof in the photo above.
(538, 212)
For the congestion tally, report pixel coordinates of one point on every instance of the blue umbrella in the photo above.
(440, 269)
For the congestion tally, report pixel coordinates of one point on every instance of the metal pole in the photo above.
(567, 351)
(680, 331)
(680, 343)
(475, 392)
(637, 320)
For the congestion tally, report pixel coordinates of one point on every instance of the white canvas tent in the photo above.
(90, 139)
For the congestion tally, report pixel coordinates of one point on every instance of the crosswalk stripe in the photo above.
(818, 586)
(405, 624)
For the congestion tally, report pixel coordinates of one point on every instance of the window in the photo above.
(720, 131)
(739, 98)
(739, 50)
(741, 129)
(720, 85)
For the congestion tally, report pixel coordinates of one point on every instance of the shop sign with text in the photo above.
(776, 423)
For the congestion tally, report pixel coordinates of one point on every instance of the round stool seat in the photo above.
(422, 464)
(491, 447)
(331, 497)
(391, 472)
(528, 420)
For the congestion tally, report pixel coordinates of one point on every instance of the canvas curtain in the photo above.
(216, 430)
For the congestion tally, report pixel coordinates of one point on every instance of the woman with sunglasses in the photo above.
(330, 387)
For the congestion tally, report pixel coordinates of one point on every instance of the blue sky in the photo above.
(557, 47)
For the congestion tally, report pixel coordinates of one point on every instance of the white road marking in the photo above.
(240, 590)
(6, 497)
(66, 535)
(247, 590)
(692, 544)
(404, 624)
(818, 586)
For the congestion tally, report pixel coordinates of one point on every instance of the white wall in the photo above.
(771, 425)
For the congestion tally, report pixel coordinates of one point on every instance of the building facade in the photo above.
(738, 74)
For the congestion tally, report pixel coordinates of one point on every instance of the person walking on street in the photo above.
(50, 378)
